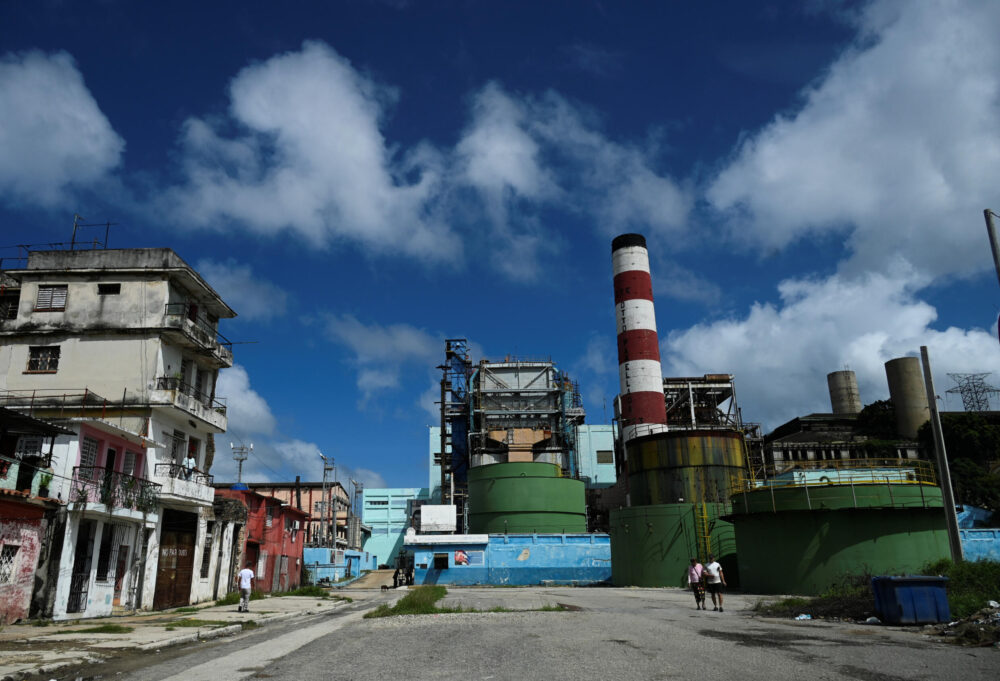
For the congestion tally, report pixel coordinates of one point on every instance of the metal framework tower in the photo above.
(974, 391)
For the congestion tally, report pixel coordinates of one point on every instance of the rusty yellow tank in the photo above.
(684, 466)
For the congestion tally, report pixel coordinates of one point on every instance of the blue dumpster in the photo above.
(911, 600)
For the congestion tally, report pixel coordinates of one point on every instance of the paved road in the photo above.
(616, 633)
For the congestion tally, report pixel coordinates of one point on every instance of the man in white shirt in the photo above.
(245, 581)
(189, 466)
(714, 581)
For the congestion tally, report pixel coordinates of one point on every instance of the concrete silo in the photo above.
(908, 395)
(844, 395)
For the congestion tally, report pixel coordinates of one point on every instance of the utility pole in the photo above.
(327, 468)
(944, 473)
(994, 242)
(240, 455)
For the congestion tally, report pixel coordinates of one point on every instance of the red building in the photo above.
(273, 538)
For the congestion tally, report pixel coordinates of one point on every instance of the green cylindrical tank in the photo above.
(525, 497)
(652, 545)
(684, 466)
(805, 539)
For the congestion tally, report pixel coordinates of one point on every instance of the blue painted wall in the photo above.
(325, 564)
(522, 559)
(589, 441)
(970, 517)
(981, 543)
(386, 512)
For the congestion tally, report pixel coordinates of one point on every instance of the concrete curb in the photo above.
(192, 637)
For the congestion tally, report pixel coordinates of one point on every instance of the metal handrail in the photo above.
(174, 383)
(843, 472)
(94, 484)
(179, 472)
(200, 321)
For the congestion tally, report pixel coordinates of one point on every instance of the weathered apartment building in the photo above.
(120, 348)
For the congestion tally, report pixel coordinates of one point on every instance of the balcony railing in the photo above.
(179, 472)
(209, 402)
(95, 485)
(201, 328)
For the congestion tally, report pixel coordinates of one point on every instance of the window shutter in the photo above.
(88, 452)
(59, 297)
(44, 301)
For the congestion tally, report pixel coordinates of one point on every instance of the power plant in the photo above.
(516, 493)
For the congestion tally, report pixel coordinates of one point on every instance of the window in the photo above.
(8, 558)
(43, 359)
(177, 441)
(8, 304)
(109, 289)
(88, 452)
(28, 445)
(51, 298)
(206, 556)
(104, 558)
(129, 467)
(269, 519)
(378, 502)
(605, 456)
(440, 561)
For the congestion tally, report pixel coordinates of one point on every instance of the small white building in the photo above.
(122, 346)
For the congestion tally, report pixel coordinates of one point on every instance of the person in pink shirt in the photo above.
(695, 575)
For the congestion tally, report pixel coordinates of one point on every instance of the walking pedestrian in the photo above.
(715, 580)
(245, 582)
(696, 582)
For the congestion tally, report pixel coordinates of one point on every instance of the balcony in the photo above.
(184, 485)
(93, 487)
(174, 391)
(196, 331)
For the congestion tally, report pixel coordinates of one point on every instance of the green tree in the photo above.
(972, 441)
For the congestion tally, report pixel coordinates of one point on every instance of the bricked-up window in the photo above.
(605, 456)
(43, 359)
(8, 558)
(51, 298)
(109, 289)
(206, 555)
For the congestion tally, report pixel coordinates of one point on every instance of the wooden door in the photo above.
(174, 570)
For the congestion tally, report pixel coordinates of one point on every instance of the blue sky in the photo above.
(361, 180)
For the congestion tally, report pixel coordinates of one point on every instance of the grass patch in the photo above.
(187, 609)
(233, 597)
(249, 624)
(40, 623)
(101, 629)
(558, 607)
(970, 584)
(194, 622)
(851, 599)
(419, 601)
(171, 628)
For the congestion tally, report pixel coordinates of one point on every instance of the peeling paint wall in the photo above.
(21, 526)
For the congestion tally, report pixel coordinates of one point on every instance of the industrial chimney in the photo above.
(908, 395)
(844, 395)
(642, 403)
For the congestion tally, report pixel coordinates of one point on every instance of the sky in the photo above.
(360, 180)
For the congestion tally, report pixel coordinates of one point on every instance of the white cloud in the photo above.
(251, 296)
(524, 153)
(896, 146)
(247, 411)
(302, 151)
(680, 283)
(380, 352)
(53, 135)
(780, 354)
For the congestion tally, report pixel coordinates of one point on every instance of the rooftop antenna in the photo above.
(77, 224)
(240, 455)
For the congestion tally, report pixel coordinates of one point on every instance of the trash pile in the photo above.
(981, 628)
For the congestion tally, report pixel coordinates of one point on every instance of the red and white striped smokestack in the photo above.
(639, 369)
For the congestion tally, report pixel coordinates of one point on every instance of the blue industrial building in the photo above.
(332, 565)
(387, 511)
(510, 559)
